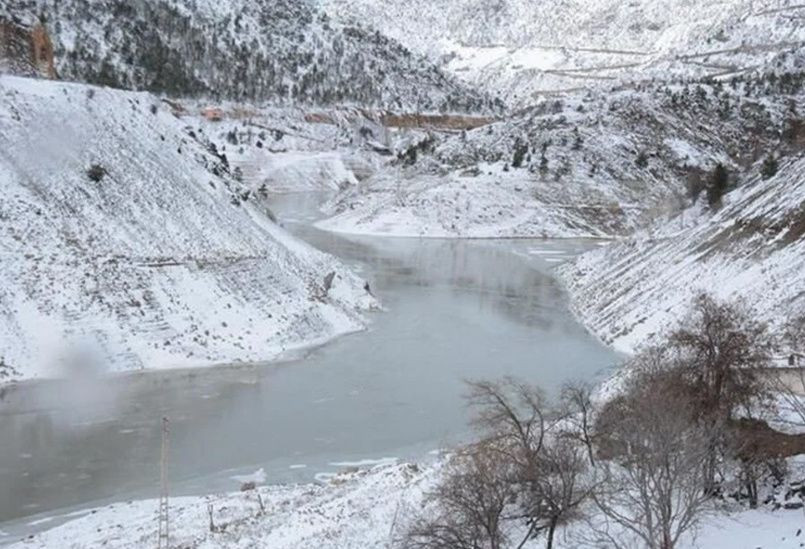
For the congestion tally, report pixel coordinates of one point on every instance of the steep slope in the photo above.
(598, 164)
(125, 237)
(522, 48)
(284, 50)
(752, 249)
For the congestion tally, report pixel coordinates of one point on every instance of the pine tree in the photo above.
(717, 185)
(520, 150)
(769, 167)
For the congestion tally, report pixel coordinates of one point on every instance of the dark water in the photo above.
(455, 310)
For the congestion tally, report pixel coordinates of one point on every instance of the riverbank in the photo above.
(353, 510)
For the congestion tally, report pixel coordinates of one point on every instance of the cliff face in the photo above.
(42, 51)
(27, 51)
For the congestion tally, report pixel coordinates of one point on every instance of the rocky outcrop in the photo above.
(26, 51)
(757, 440)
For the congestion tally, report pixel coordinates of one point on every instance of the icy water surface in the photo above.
(455, 310)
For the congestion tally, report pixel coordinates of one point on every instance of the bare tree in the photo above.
(521, 481)
(653, 488)
(512, 413)
(513, 418)
(721, 350)
(469, 504)
(577, 399)
(562, 485)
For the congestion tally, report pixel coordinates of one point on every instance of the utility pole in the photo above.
(164, 531)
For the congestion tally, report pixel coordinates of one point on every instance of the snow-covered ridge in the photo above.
(753, 250)
(284, 51)
(522, 49)
(155, 257)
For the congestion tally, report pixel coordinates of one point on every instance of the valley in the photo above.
(410, 275)
(355, 400)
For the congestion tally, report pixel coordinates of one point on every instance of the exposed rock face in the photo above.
(27, 51)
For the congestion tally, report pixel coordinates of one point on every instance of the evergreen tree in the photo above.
(717, 185)
(520, 150)
(769, 167)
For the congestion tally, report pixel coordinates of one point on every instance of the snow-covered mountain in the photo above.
(522, 49)
(595, 164)
(125, 234)
(752, 249)
(279, 50)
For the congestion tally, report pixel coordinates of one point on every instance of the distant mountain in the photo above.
(523, 49)
(266, 50)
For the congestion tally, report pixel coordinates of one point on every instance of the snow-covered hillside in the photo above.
(596, 164)
(123, 234)
(296, 149)
(522, 48)
(752, 249)
(283, 50)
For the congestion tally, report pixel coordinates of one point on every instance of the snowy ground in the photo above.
(490, 204)
(362, 509)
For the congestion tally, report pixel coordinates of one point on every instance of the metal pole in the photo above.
(164, 523)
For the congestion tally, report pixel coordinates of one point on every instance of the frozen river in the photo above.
(455, 310)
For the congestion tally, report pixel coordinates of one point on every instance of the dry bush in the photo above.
(470, 504)
(520, 482)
